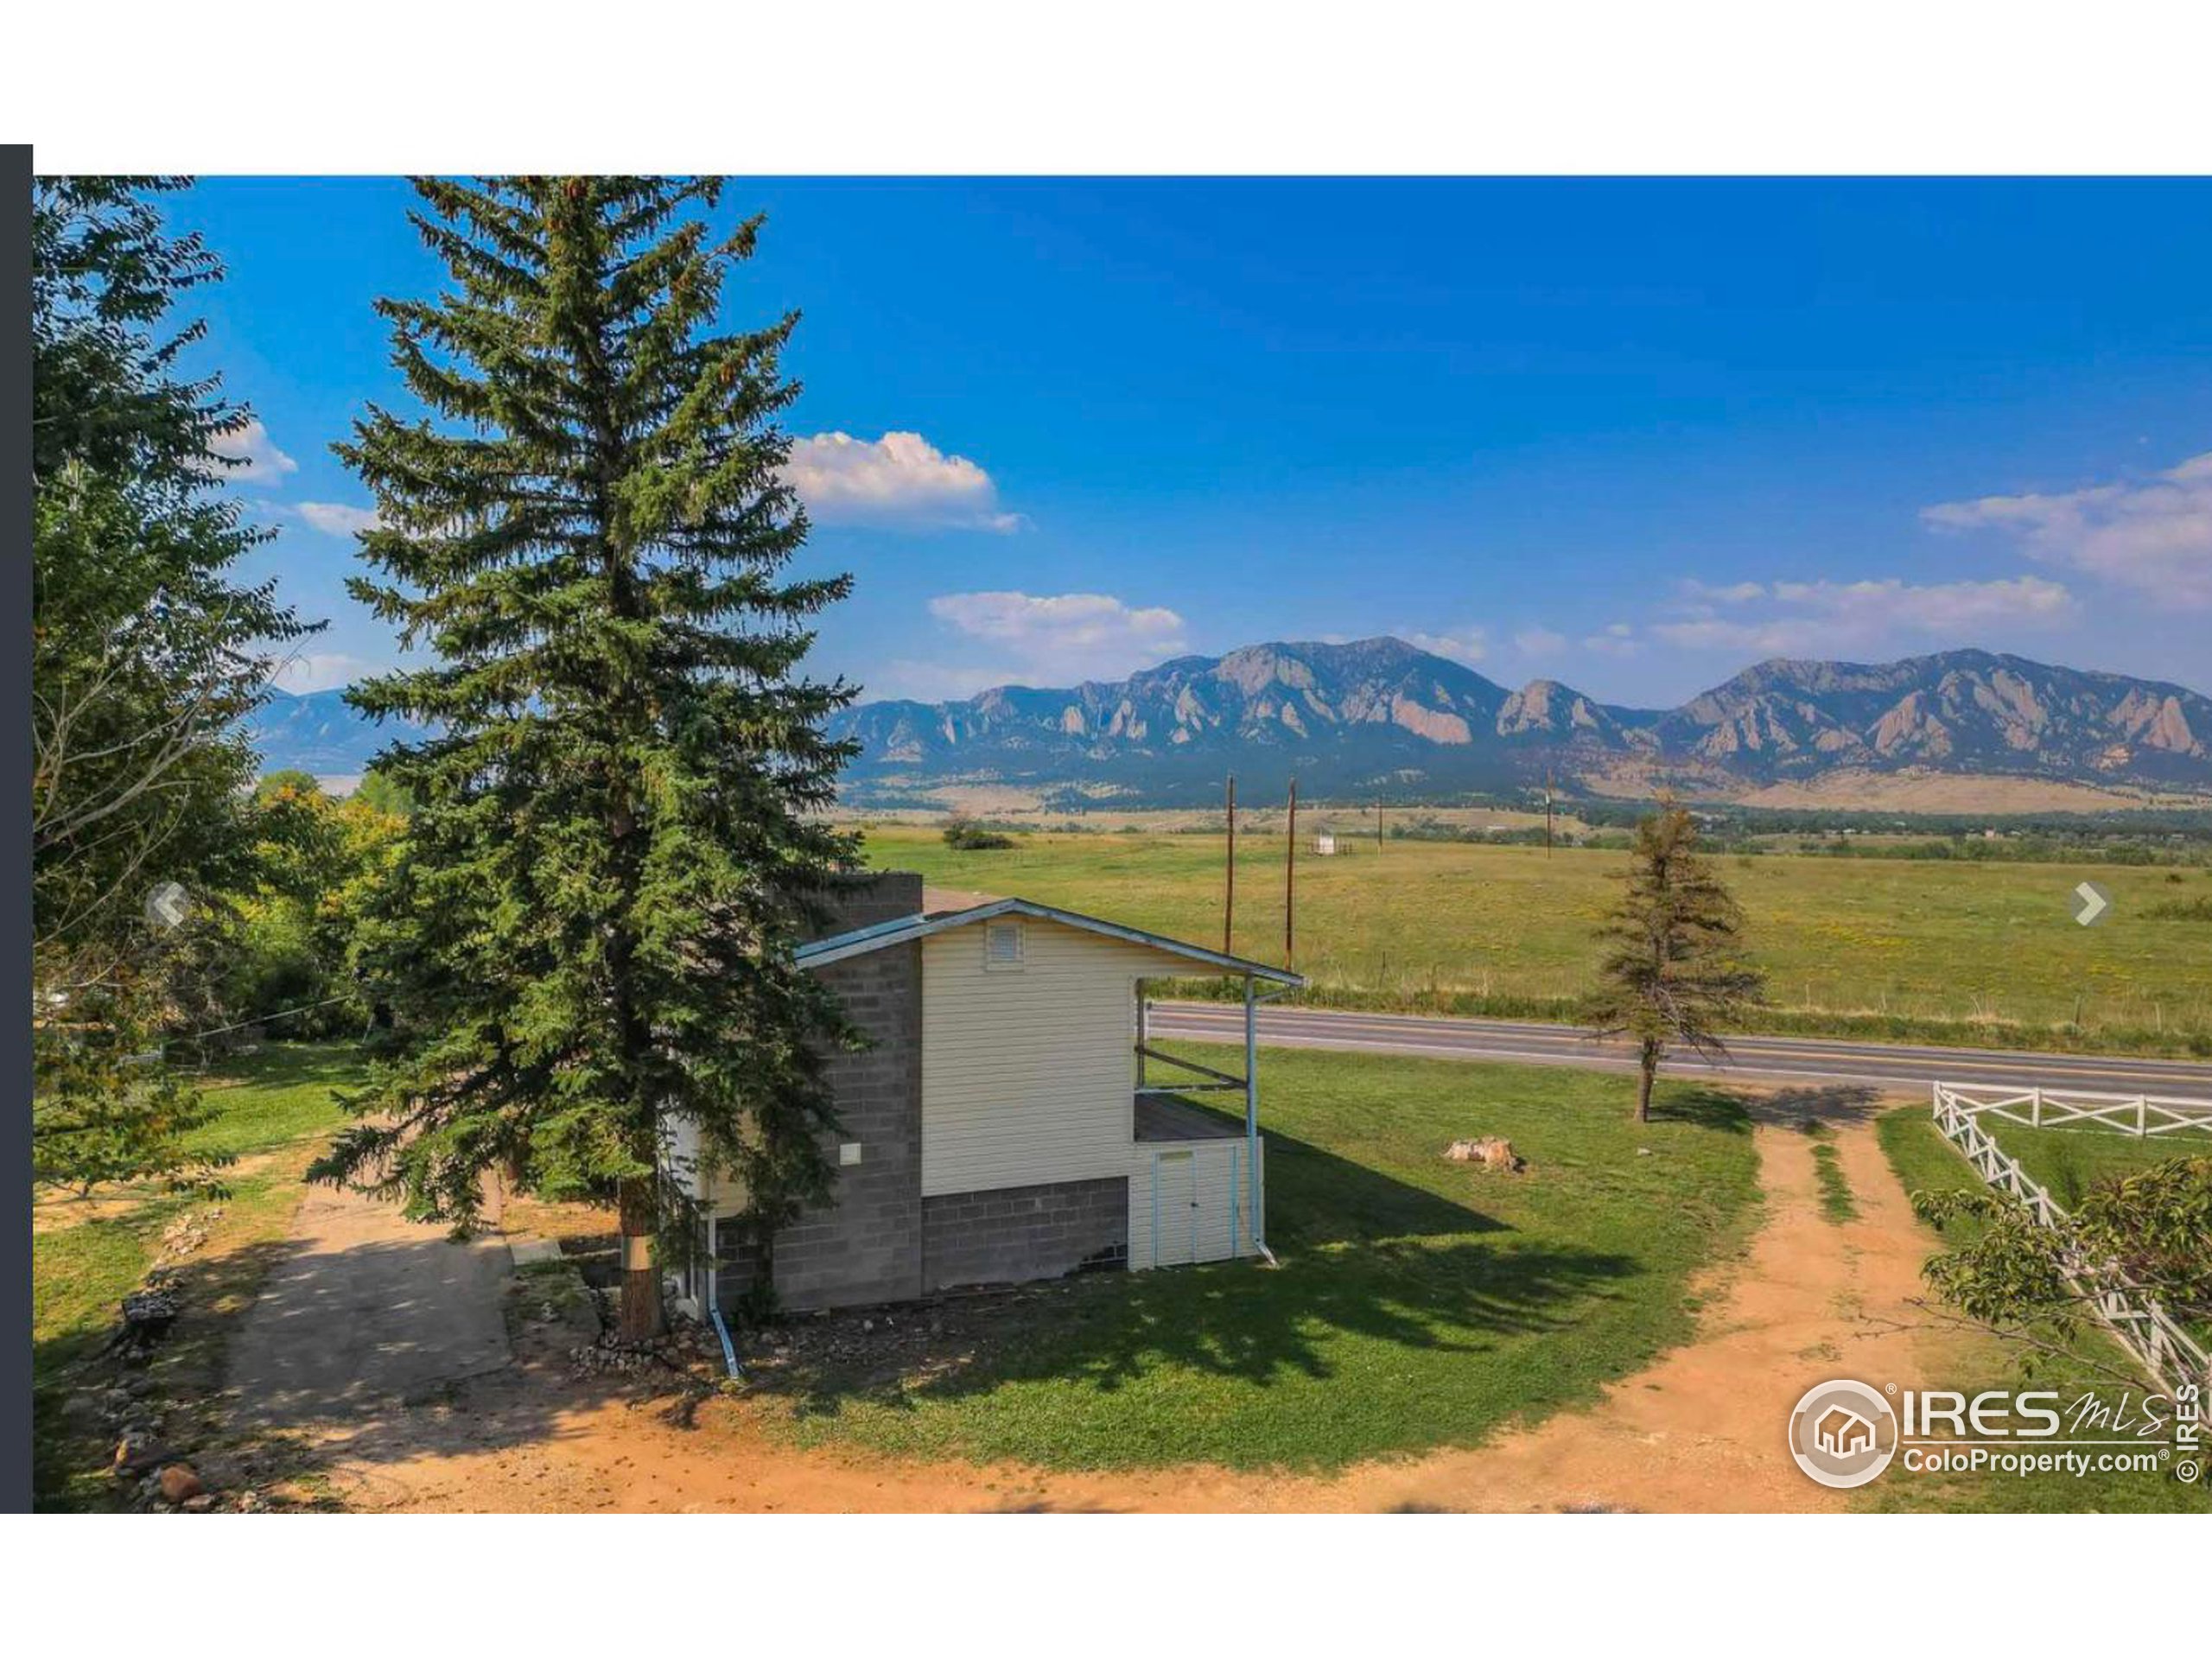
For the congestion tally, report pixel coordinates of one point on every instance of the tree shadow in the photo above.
(380, 1378)
(1838, 1105)
(1315, 1197)
(1236, 1319)
(1703, 1107)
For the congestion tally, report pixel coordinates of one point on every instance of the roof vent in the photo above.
(1002, 944)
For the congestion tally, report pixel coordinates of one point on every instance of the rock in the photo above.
(138, 1450)
(1490, 1151)
(179, 1483)
(199, 1504)
(250, 1504)
(81, 1409)
(1643, 1152)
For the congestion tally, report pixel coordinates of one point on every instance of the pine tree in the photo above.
(1674, 973)
(617, 823)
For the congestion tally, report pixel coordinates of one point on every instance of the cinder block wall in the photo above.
(1025, 1232)
(865, 1245)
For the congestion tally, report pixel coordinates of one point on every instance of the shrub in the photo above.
(966, 835)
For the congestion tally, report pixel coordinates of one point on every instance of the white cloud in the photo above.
(900, 480)
(319, 671)
(1818, 619)
(247, 456)
(2155, 535)
(1467, 646)
(1057, 638)
(335, 519)
(1539, 642)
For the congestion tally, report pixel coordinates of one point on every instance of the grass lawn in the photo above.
(1985, 953)
(277, 1106)
(1837, 1203)
(1925, 1162)
(1419, 1303)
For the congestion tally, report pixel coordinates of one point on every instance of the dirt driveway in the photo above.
(1700, 1430)
(365, 1311)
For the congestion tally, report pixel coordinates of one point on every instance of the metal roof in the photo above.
(821, 952)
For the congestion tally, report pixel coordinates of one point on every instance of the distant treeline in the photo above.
(2153, 836)
(2166, 826)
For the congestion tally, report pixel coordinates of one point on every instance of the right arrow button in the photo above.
(2090, 903)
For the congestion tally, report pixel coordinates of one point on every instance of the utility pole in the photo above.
(1378, 826)
(1228, 903)
(1290, 885)
(1547, 812)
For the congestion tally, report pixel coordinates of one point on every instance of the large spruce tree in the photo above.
(617, 834)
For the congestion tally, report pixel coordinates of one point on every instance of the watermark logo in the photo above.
(1843, 1433)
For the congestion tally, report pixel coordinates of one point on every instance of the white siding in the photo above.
(1027, 1074)
(1192, 1201)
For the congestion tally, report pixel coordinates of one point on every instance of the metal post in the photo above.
(1252, 1100)
(1234, 1196)
(1290, 885)
(1141, 1007)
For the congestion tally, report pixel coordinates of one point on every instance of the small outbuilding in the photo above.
(1009, 1121)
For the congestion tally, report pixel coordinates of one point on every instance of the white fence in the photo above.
(2081, 1109)
(2161, 1347)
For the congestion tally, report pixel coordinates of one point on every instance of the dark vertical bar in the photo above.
(1290, 885)
(16, 486)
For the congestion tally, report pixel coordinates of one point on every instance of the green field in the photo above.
(1965, 952)
(1419, 1303)
(2066, 1162)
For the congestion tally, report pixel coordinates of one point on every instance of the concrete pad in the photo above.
(364, 1306)
(528, 1252)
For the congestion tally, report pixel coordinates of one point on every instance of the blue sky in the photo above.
(1633, 435)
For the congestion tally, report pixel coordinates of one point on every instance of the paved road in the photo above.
(1810, 1059)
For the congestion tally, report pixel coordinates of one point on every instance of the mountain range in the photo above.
(1379, 716)
(320, 732)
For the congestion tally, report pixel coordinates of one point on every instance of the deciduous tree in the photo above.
(147, 653)
(2151, 1228)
